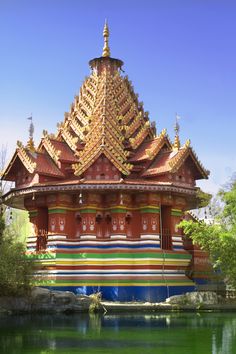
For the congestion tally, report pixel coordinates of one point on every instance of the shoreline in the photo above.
(45, 301)
(114, 307)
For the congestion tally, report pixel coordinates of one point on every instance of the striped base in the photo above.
(123, 270)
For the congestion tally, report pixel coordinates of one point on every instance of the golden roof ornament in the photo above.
(176, 145)
(19, 144)
(106, 49)
(30, 144)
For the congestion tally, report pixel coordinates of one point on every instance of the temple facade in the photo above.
(106, 193)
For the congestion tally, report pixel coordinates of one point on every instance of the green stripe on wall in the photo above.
(118, 210)
(88, 210)
(116, 281)
(150, 210)
(57, 211)
(176, 212)
(39, 256)
(86, 255)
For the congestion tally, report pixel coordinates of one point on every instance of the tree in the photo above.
(18, 227)
(3, 154)
(2, 227)
(15, 268)
(219, 238)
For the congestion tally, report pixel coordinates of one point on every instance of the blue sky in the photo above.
(179, 54)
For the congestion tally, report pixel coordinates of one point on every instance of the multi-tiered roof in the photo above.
(106, 120)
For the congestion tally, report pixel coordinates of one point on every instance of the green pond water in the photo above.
(168, 333)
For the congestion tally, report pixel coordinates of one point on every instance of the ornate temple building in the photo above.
(106, 193)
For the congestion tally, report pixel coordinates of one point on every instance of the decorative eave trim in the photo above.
(193, 216)
(131, 128)
(77, 128)
(199, 164)
(5, 172)
(14, 193)
(141, 135)
(26, 160)
(69, 139)
(162, 139)
(179, 160)
(124, 168)
(53, 153)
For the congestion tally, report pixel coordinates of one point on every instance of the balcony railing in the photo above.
(42, 238)
(166, 239)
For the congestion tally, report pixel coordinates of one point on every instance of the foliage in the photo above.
(203, 198)
(2, 227)
(96, 302)
(15, 269)
(19, 226)
(219, 238)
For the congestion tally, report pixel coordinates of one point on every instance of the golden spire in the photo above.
(176, 145)
(30, 143)
(106, 49)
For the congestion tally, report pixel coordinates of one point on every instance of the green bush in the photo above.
(2, 227)
(15, 269)
(219, 237)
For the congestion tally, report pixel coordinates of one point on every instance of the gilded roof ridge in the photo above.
(161, 139)
(69, 139)
(181, 156)
(79, 131)
(52, 152)
(27, 161)
(141, 135)
(206, 172)
(104, 118)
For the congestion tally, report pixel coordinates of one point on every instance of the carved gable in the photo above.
(102, 169)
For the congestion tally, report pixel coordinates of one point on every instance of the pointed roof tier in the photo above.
(106, 120)
(113, 121)
(172, 160)
(33, 162)
(110, 131)
(148, 150)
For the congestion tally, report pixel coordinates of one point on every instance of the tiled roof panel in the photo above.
(66, 153)
(45, 165)
(159, 165)
(141, 152)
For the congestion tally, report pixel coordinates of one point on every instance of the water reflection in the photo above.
(150, 333)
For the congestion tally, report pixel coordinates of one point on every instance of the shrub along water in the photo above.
(15, 269)
(219, 237)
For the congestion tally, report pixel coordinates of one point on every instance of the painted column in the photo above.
(165, 221)
(59, 210)
(177, 241)
(177, 214)
(149, 212)
(118, 214)
(32, 239)
(89, 209)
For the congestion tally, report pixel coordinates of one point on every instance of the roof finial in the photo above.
(30, 144)
(106, 49)
(176, 145)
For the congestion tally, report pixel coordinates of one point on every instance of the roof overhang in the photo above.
(15, 197)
